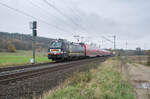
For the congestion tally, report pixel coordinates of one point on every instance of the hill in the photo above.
(22, 41)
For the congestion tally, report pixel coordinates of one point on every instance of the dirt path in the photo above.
(140, 79)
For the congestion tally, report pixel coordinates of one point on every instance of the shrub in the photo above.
(11, 48)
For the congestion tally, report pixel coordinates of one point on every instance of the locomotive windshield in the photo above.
(56, 44)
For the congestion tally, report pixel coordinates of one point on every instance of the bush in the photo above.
(11, 48)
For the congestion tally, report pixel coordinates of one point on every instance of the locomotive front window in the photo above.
(56, 44)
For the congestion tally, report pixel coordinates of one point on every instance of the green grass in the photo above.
(103, 82)
(20, 58)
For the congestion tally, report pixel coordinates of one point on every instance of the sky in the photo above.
(94, 20)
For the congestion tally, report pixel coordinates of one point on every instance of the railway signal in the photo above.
(33, 26)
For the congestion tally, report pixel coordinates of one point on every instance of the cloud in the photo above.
(129, 20)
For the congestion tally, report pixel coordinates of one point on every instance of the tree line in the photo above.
(18, 41)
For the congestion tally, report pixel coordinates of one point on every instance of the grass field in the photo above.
(105, 81)
(20, 58)
(138, 59)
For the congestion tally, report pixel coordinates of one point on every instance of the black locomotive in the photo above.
(63, 50)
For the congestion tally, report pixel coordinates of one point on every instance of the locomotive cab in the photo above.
(57, 50)
(64, 50)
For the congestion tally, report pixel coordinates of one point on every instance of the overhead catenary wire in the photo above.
(60, 12)
(28, 15)
(37, 6)
(74, 11)
(77, 14)
(114, 42)
(107, 39)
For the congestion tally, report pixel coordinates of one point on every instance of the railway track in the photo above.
(24, 66)
(14, 75)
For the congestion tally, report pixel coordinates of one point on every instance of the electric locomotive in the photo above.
(63, 50)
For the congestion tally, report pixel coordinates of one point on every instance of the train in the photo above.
(61, 49)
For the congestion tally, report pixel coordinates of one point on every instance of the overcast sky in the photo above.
(129, 20)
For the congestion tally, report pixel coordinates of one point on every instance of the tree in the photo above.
(11, 48)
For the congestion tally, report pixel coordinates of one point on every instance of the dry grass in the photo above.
(138, 59)
(103, 82)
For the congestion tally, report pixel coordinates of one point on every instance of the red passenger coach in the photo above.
(92, 51)
(106, 53)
